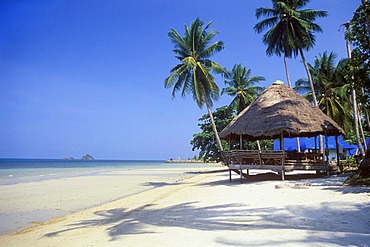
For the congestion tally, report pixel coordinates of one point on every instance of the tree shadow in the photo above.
(270, 176)
(209, 172)
(347, 189)
(120, 222)
(160, 184)
(260, 177)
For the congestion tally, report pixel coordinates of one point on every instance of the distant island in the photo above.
(68, 158)
(87, 157)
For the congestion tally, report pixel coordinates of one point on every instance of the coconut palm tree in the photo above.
(291, 30)
(352, 73)
(192, 75)
(242, 87)
(331, 87)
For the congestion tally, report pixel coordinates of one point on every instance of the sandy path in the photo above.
(207, 210)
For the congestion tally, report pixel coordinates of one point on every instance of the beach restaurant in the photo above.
(278, 113)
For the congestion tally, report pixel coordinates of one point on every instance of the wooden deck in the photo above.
(276, 160)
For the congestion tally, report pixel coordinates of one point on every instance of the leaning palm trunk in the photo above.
(313, 93)
(290, 85)
(214, 126)
(354, 101)
(287, 72)
(356, 119)
(309, 77)
(361, 129)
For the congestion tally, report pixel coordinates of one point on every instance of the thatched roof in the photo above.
(279, 109)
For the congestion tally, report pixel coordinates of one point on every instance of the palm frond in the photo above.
(193, 75)
(267, 23)
(291, 28)
(241, 86)
(265, 12)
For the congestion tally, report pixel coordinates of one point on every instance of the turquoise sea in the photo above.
(14, 171)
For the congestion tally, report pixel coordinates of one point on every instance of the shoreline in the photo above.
(201, 206)
(180, 161)
(73, 192)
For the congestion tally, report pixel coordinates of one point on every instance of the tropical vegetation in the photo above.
(358, 34)
(291, 30)
(331, 87)
(205, 140)
(242, 86)
(193, 75)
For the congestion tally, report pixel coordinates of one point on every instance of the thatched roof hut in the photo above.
(280, 112)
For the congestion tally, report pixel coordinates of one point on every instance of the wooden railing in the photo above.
(255, 157)
(272, 159)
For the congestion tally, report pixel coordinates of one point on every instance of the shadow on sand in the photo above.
(190, 215)
(329, 222)
(270, 176)
(260, 177)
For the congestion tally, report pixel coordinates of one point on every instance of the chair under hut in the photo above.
(279, 112)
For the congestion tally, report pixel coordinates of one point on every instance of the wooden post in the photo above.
(327, 150)
(259, 145)
(281, 142)
(229, 143)
(337, 149)
(241, 173)
(241, 141)
(241, 160)
(283, 161)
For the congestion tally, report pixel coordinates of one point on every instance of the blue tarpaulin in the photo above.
(309, 143)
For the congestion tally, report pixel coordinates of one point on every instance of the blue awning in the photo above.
(309, 143)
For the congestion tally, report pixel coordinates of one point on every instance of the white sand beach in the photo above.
(194, 208)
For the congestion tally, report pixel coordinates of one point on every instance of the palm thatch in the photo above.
(280, 110)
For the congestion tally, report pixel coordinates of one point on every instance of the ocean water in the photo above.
(13, 171)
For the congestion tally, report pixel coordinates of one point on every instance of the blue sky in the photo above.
(82, 77)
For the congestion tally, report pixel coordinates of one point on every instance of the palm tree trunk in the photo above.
(214, 126)
(287, 72)
(309, 77)
(356, 118)
(361, 129)
(313, 92)
(354, 100)
(290, 85)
